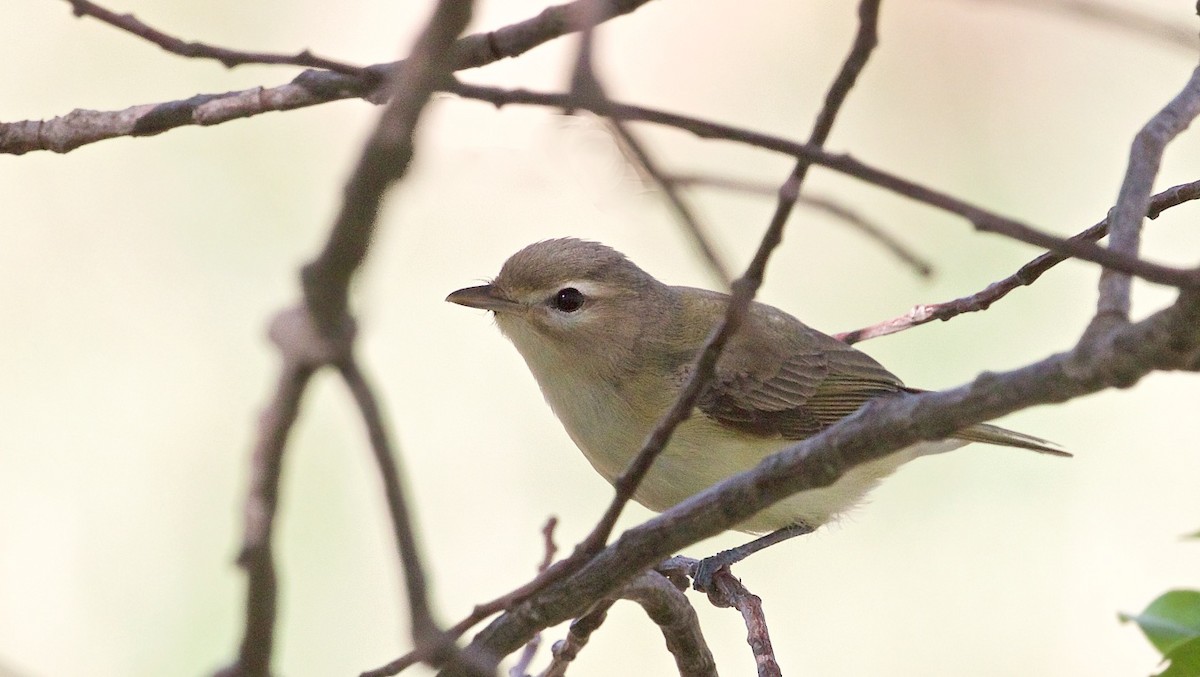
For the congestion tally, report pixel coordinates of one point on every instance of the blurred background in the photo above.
(137, 277)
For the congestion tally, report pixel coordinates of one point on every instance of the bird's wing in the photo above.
(781, 378)
(806, 391)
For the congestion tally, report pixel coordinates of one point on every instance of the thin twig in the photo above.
(566, 649)
(586, 85)
(200, 50)
(1025, 276)
(424, 629)
(666, 606)
(266, 465)
(828, 205)
(521, 667)
(982, 219)
(1125, 221)
(546, 575)
(733, 593)
(684, 213)
(555, 572)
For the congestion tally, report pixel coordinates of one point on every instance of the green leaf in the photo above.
(1194, 534)
(1185, 660)
(1171, 620)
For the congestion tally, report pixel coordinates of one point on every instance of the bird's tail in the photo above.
(991, 434)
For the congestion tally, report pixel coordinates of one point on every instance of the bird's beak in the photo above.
(484, 296)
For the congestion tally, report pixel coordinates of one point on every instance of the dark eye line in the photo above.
(567, 299)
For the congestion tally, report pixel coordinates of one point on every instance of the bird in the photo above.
(610, 347)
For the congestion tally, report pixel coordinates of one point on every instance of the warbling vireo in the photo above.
(610, 347)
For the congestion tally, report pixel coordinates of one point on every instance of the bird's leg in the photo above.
(707, 568)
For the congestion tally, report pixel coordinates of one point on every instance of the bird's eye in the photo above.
(567, 300)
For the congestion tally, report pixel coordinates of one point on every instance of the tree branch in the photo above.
(1133, 202)
(684, 213)
(580, 631)
(81, 127)
(982, 219)
(1025, 276)
(199, 50)
(586, 86)
(670, 610)
(839, 211)
(426, 634)
(266, 466)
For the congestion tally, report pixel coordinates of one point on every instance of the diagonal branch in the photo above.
(1025, 276)
(200, 50)
(578, 635)
(586, 86)
(683, 211)
(426, 634)
(982, 219)
(839, 211)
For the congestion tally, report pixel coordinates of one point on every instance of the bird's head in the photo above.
(571, 304)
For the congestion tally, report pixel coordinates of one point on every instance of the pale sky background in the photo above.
(137, 276)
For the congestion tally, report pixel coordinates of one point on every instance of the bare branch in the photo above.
(547, 574)
(480, 49)
(200, 50)
(586, 85)
(426, 634)
(578, 634)
(820, 203)
(384, 160)
(670, 610)
(1125, 221)
(266, 465)
(982, 219)
(731, 593)
(666, 606)
(521, 667)
(684, 213)
(1025, 276)
(303, 349)
(81, 127)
